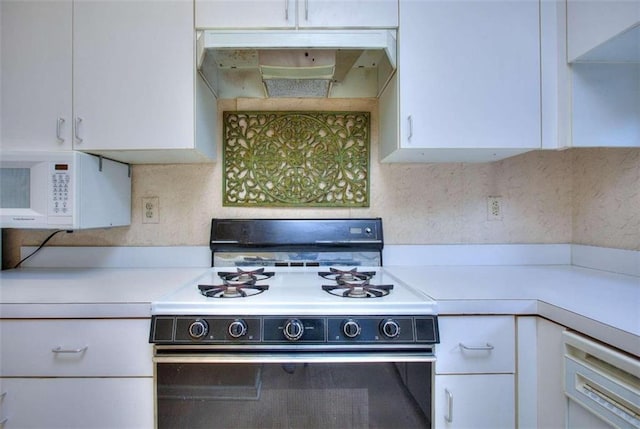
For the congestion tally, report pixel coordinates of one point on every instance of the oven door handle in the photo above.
(299, 357)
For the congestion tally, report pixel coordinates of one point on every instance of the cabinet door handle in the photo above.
(77, 129)
(59, 349)
(487, 347)
(3, 422)
(59, 125)
(286, 10)
(449, 416)
(410, 122)
(306, 10)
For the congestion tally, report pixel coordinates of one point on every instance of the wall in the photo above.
(586, 196)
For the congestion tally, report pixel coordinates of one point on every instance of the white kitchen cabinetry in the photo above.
(135, 82)
(603, 45)
(296, 13)
(81, 403)
(606, 104)
(35, 76)
(77, 373)
(468, 82)
(603, 30)
(541, 399)
(125, 69)
(474, 372)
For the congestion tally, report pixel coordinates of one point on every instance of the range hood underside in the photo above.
(296, 64)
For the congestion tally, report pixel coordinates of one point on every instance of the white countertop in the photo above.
(603, 305)
(87, 292)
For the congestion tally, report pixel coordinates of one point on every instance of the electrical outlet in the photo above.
(494, 208)
(150, 210)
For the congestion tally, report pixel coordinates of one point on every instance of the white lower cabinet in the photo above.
(76, 373)
(81, 403)
(474, 401)
(475, 373)
(540, 377)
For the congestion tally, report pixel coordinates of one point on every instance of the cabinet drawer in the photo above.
(476, 344)
(75, 347)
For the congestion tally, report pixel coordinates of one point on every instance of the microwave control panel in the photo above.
(60, 201)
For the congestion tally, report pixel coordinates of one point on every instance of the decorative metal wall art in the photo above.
(296, 159)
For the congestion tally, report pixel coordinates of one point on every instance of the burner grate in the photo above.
(353, 284)
(347, 276)
(358, 290)
(238, 284)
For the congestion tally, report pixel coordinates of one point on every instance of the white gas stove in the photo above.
(292, 283)
(297, 324)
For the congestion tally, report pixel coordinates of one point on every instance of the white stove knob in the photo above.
(390, 328)
(198, 329)
(238, 328)
(351, 328)
(293, 329)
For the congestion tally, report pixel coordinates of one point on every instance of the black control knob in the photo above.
(198, 329)
(293, 329)
(351, 328)
(390, 328)
(238, 328)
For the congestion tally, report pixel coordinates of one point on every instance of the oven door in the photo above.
(293, 390)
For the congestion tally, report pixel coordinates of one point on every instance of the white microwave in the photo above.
(63, 190)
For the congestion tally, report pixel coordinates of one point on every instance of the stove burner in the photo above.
(351, 277)
(237, 290)
(246, 276)
(239, 284)
(353, 284)
(367, 290)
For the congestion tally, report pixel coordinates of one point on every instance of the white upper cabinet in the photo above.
(35, 77)
(468, 82)
(296, 13)
(348, 13)
(603, 30)
(134, 80)
(605, 105)
(115, 78)
(245, 13)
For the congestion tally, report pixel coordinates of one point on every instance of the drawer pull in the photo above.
(3, 422)
(487, 347)
(59, 349)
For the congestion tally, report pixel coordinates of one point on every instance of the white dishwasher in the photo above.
(602, 385)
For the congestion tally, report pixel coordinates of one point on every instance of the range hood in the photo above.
(298, 64)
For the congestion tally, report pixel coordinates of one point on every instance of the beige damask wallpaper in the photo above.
(586, 196)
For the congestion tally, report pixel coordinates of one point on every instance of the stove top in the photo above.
(295, 291)
(274, 285)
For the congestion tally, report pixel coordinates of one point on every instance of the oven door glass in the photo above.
(305, 395)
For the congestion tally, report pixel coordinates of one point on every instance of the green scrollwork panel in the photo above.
(294, 159)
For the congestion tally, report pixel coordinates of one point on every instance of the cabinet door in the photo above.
(350, 13)
(469, 74)
(133, 68)
(245, 14)
(36, 75)
(81, 403)
(474, 401)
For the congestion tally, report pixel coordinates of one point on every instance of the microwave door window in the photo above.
(15, 188)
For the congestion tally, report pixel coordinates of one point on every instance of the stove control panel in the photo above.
(313, 330)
